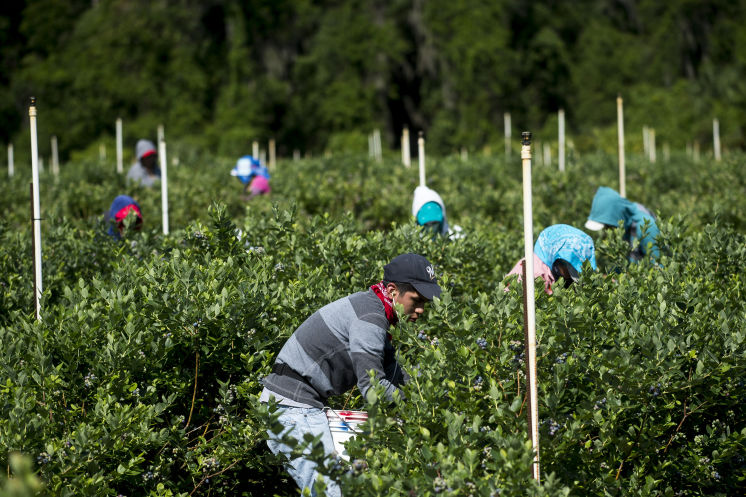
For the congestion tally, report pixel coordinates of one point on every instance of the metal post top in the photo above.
(32, 107)
(526, 138)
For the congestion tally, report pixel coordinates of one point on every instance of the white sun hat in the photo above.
(243, 167)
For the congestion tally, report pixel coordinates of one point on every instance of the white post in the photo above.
(696, 151)
(164, 183)
(406, 157)
(296, 155)
(645, 142)
(421, 155)
(464, 154)
(36, 209)
(120, 167)
(530, 311)
(561, 151)
(101, 152)
(161, 134)
(620, 139)
(377, 144)
(55, 157)
(666, 152)
(11, 165)
(263, 157)
(716, 139)
(508, 134)
(255, 149)
(651, 144)
(272, 154)
(547, 155)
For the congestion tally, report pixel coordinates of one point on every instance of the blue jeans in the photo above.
(299, 420)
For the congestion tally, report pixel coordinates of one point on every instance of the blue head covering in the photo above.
(247, 167)
(608, 208)
(429, 212)
(561, 241)
(119, 210)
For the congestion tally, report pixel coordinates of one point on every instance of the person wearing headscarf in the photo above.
(429, 210)
(145, 171)
(253, 175)
(559, 251)
(120, 208)
(608, 208)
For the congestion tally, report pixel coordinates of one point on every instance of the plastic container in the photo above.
(344, 425)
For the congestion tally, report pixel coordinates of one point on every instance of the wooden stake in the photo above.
(55, 157)
(651, 144)
(164, 183)
(272, 154)
(529, 302)
(464, 154)
(36, 209)
(421, 155)
(120, 167)
(508, 134)
(406, 156)
(561, 151)
(620, 139)
(378, 151)
(716, 139)
(296, 155)
(11, 165)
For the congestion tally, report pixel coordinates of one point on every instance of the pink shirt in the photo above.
(259, 184)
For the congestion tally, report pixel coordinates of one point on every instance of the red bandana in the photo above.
(388, 303)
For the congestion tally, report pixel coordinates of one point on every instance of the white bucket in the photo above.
(344, 425)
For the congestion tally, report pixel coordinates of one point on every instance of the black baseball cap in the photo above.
(415, 270)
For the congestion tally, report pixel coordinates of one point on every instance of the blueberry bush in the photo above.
(142, 378)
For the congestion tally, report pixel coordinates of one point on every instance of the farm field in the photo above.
(142, 378)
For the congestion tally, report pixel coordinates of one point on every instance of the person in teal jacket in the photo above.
(608, 208)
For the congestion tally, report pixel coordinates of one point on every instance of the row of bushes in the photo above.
(142, 377)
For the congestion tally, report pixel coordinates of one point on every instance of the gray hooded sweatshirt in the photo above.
(137, 172)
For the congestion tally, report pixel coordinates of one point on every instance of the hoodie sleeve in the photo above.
(368, 352)
(651, 233)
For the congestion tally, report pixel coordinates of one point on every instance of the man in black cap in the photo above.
(335, 348)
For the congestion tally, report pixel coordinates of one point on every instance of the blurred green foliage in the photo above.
(222, 73)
